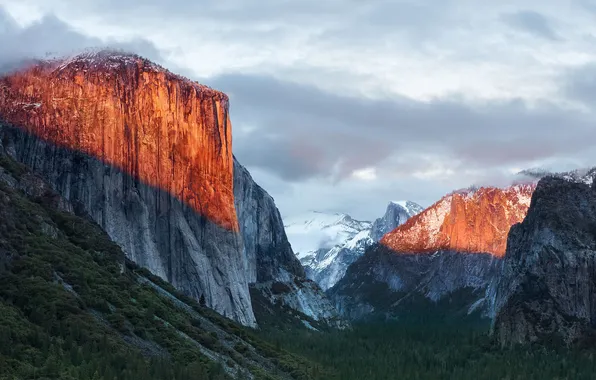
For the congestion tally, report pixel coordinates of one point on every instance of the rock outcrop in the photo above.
(473, 220)
(269, 256)
(396, 214)
(147, 154)
(272, 268)
(546, 291)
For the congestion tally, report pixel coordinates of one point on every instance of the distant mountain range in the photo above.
(327, 243)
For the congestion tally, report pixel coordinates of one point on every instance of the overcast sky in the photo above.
(344, 105)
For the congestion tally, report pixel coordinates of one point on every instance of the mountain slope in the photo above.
(546, 291)
(328, 243)
(451, 249)
(73, 307)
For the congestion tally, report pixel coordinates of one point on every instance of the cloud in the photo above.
(531, 22)
(50, 36)
(428, 96)
(579, 84)
(303, 132)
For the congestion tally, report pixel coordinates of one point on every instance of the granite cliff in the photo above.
(472, 220)
(546, 291)
(147, 155)
(164, 130)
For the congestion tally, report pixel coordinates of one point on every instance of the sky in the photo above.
(345, 105)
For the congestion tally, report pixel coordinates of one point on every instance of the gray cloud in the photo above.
(531, 22)
(579, 84)
(51, 36)
(302, 142)
(240, 20)
(302, 132)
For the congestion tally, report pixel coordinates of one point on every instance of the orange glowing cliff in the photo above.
(163, 129)
(472, 221)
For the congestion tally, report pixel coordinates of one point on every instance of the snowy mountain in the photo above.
(326, 244)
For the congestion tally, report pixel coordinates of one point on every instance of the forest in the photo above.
(432, 350)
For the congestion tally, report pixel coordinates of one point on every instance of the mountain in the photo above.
(471, 220)
(451, 249)
(72, 306)
(147, 155)
(546, 291)
(327, 244)
(397, 213)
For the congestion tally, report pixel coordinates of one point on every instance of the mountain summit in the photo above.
(327, 244)
(453, 247)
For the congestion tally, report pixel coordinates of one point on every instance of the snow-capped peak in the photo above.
(412, 208)
(327, 243)
(316, 230)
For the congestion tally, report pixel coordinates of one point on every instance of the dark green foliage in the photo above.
(65, 304)
(72, 307)
(431, 350)
(16, 169)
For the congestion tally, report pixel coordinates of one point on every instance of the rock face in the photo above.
(546, 291)
(475, 220)
(397, 213)
(272, 268)
(452, 249)
(162, 129)
(147, 155)
(154, 229)
(327, 244)
(269, 256)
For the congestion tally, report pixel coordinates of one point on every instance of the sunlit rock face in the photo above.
(449, 255)
(165, 130)
(147, 155)
(471, 221)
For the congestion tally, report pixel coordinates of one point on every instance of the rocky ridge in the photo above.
(471, 220)
(273, 269)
